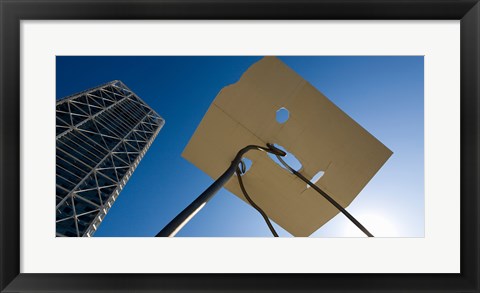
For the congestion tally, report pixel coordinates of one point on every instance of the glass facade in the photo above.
(101, 136)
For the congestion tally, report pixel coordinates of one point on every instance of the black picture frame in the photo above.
(13, 11)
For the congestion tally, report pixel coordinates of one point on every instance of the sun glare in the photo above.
(379, 225)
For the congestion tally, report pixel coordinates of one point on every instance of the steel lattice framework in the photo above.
(102, 134)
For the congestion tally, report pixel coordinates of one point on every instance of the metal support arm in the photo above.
(172, 228)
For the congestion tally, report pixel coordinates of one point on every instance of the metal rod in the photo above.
(327, 197)
(252, 203)
(172, 228)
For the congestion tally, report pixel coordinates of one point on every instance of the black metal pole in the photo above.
(172, 228)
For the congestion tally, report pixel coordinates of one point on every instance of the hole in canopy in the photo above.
(282, 115)
(316, 177)
(290, 159)
(248, 164)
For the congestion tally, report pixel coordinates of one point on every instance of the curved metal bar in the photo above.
(327, 197)
(172, 228)
(252, 203)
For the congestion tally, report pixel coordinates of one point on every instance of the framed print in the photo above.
(351, 119)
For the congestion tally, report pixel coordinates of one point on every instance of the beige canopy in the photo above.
(317, 132)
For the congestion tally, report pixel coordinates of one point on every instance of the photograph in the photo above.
(240, 146)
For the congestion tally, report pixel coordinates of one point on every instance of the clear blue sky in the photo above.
(383, 94)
